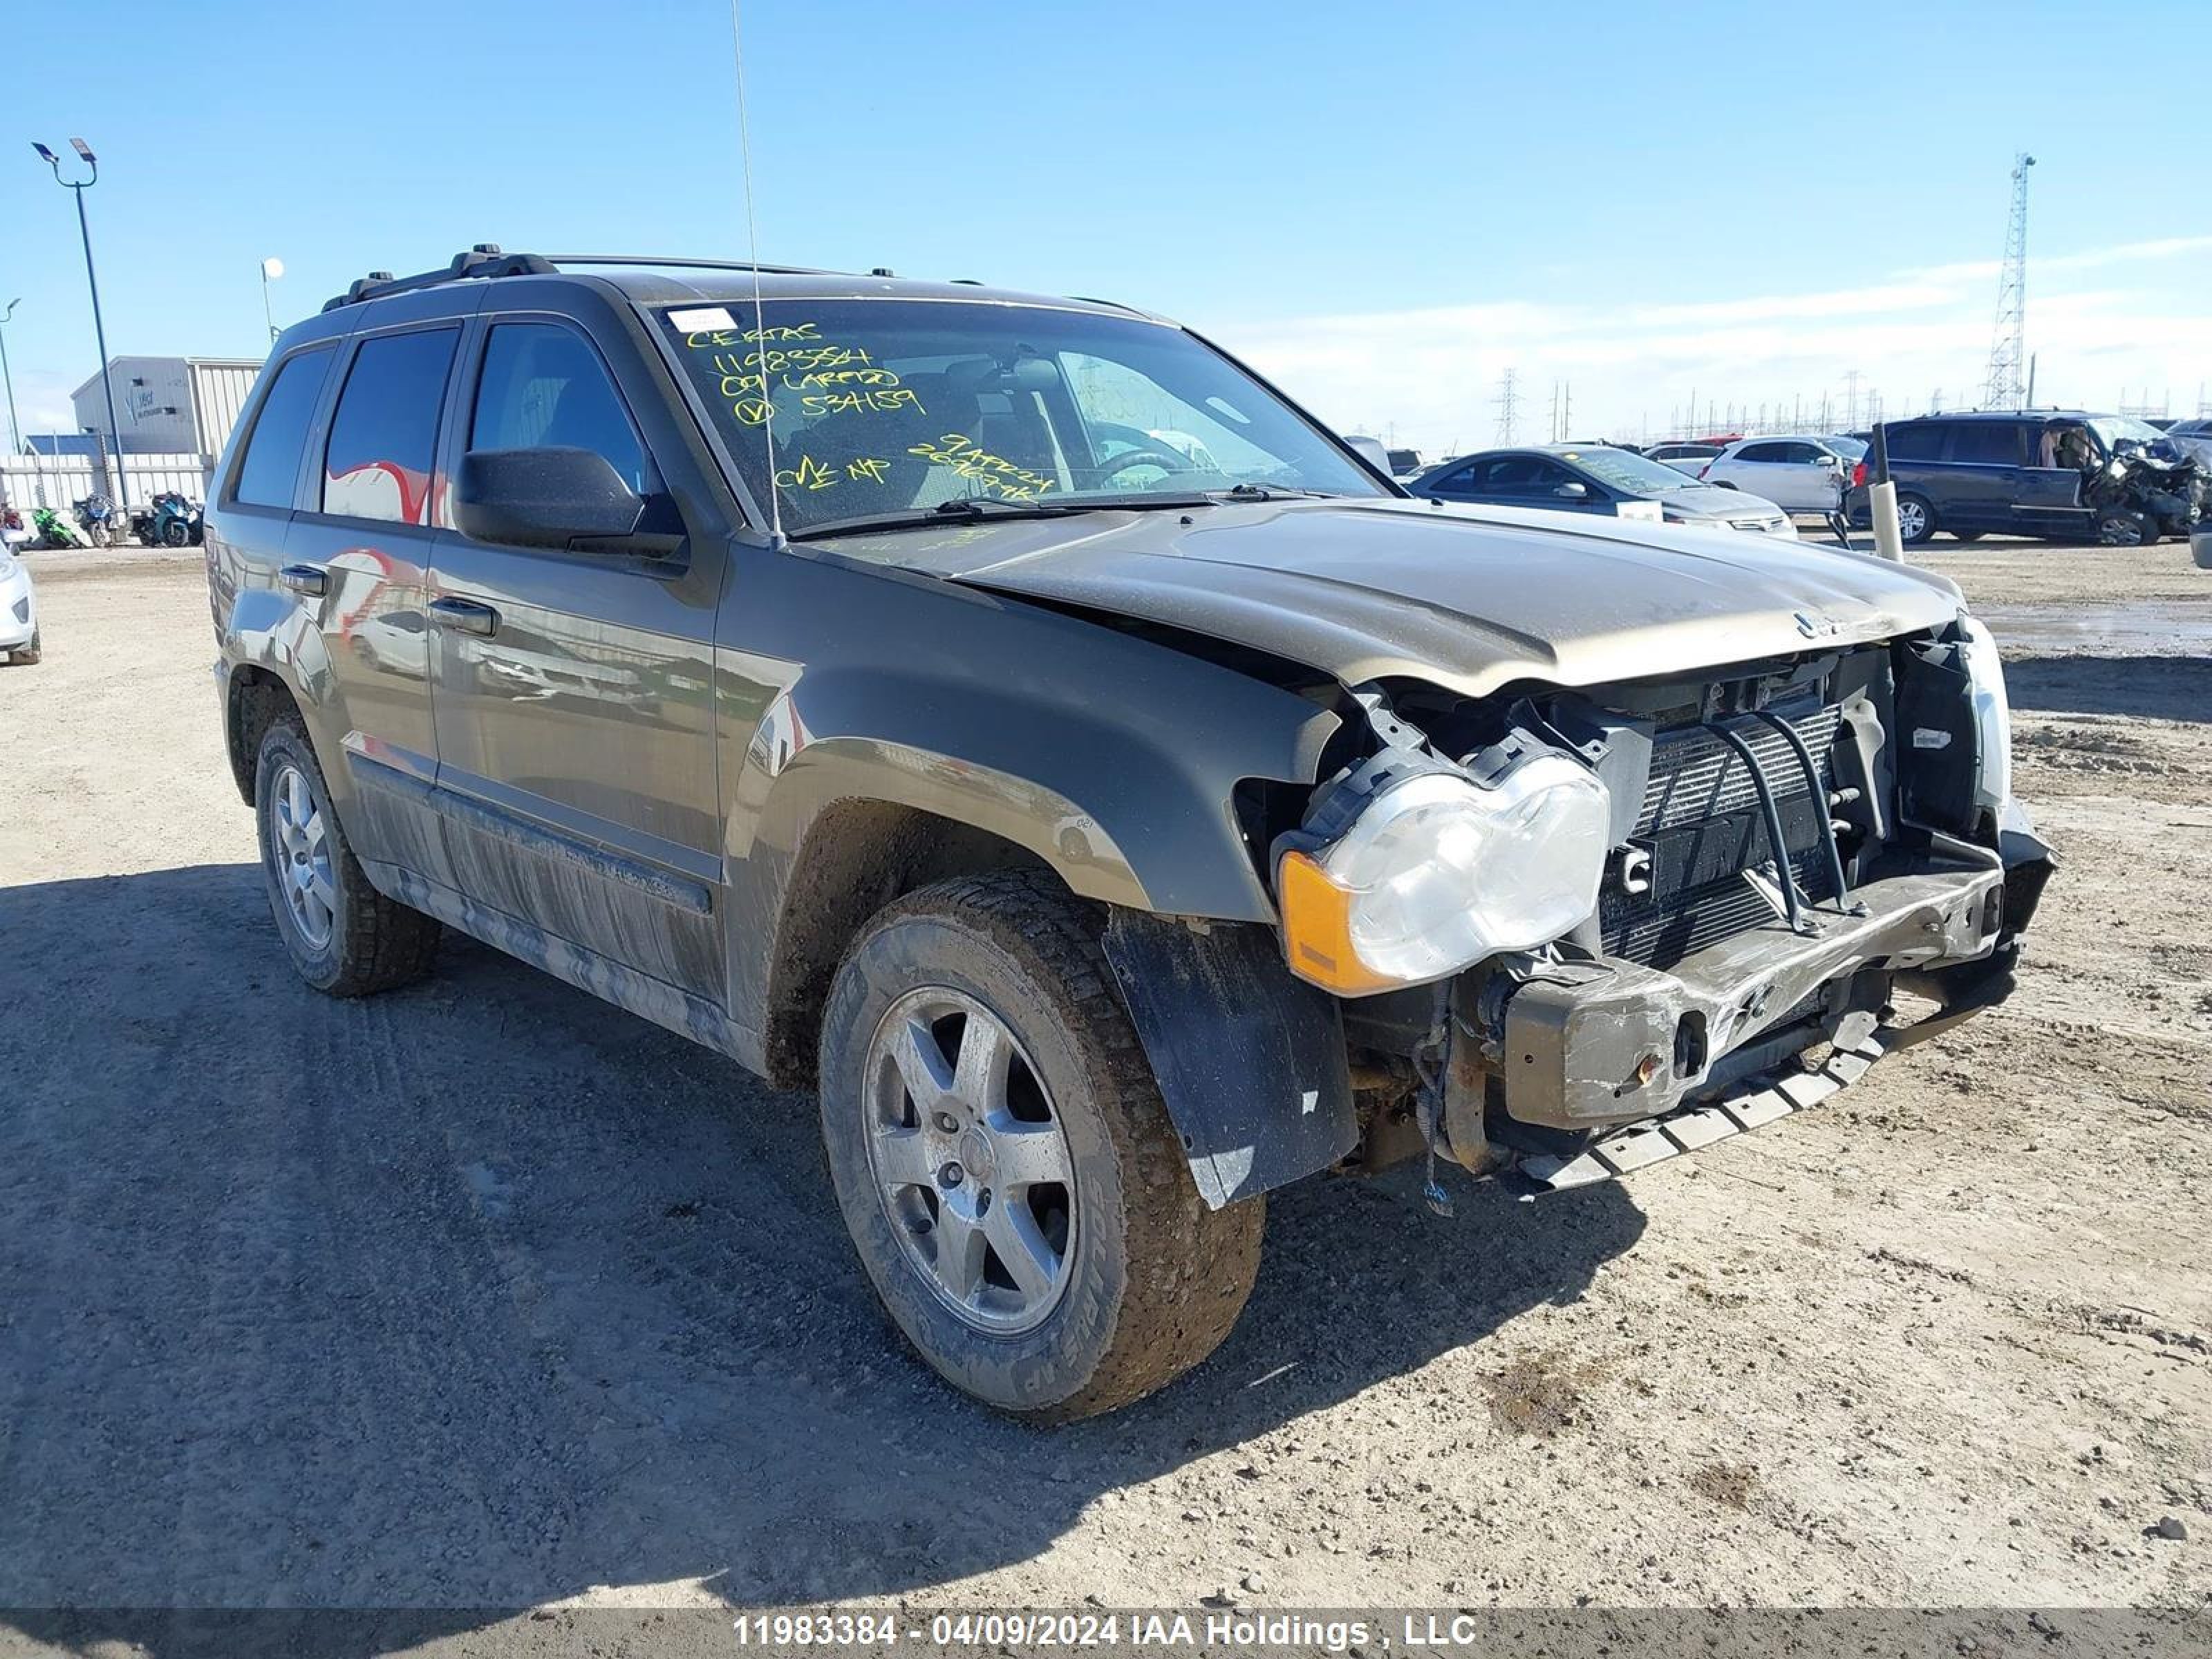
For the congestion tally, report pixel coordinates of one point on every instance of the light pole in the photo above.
(271, 269)
(92, 278)
(15, 426)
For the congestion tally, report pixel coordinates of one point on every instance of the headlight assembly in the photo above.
(1438, 871)
(1992, 715)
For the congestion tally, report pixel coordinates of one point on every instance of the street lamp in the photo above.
(271, 269)
(15, 426)
(99, 328)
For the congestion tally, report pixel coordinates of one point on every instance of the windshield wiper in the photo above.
(924, 518)
(1269, 492)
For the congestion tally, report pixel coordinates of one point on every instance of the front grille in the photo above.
(1701, 824)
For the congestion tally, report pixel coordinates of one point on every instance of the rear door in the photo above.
(360, 551)
(1756, 470)
(1982, 468)
(574, 720)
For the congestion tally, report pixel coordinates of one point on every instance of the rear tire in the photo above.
(345, 938)
(1915, 519)
(1137, 1280)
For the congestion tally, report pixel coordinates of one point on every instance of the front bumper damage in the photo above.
(1592, 1069)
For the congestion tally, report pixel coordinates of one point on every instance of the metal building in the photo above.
(170, 406)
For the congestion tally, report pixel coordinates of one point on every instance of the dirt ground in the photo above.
(486, 1294)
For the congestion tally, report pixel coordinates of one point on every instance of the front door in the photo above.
(574, 720)
(2049, 501)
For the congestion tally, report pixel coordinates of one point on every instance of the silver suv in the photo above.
(1014, 719)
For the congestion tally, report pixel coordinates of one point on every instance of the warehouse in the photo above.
(169, 406)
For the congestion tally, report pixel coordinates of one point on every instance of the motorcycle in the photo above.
(94, 513)
(15, 534)
(174, 521)
(55, 531)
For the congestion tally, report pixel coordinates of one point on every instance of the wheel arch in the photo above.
(859, 855)
(254, 699)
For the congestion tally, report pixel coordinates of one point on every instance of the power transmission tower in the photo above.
(2004, 387)
(1851, 402)
(1509, 409)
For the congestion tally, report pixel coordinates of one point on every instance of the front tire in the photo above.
(1005, 1163)
(26, 655)
(2119, 526)
(345, 938)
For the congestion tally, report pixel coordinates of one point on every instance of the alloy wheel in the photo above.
(300, 845)
(970, 1162)
(1912, 521)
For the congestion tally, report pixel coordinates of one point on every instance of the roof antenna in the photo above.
(776, 539)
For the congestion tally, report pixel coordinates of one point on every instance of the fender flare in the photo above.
(1249, 1059)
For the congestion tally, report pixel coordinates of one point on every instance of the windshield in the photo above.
(892, 408)
(2118, 430)
(1625, 470)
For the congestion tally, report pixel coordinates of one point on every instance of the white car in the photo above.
(1683, 457)
(1799, 474)
(18, 611)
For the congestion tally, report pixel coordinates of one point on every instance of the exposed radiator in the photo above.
(1701, 824)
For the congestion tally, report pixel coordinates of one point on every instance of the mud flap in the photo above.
(1249, 1059)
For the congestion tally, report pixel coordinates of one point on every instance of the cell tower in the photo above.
(1509, 411)
(2005, 387)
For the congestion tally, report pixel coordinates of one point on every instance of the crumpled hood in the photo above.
(1472, 598)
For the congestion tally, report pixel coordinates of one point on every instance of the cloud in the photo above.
(1431, 376)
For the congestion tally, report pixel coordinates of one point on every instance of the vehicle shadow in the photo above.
(484, 1293)
(2157, 688)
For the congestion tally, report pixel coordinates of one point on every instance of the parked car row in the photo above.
(1601, 479)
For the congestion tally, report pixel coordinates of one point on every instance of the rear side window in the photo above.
(543, 388)
(270, 469)
(1760, 452)
(1988, 443)
(1915, 443)
(385, 431)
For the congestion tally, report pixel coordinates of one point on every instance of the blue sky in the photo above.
(1382, 207)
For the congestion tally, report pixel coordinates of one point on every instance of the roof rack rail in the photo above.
(692, 265)
(485, 260)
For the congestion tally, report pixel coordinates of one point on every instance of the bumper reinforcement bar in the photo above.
(1693, 1128)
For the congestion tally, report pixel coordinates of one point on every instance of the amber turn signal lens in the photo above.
(1317, 930)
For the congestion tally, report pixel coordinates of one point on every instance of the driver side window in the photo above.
(543, 388)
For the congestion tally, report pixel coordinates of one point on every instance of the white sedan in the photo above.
(1799, 475)
(18, 611)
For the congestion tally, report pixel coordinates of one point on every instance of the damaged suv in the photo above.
(1014, 719)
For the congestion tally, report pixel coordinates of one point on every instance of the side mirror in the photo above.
(570, 500)
(1372, 451)
(1572, 492)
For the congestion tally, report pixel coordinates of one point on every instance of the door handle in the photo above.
(467, 615)
(309, 579)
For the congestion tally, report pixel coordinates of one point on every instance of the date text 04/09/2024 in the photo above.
(1210, 1629)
